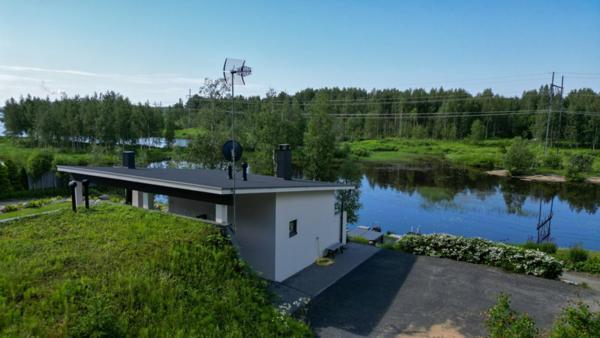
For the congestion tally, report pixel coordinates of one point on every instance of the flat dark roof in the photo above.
(205, 180)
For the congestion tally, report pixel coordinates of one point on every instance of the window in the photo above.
(293, 228)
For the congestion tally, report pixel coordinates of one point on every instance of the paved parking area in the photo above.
(398, 294)
(314, 279)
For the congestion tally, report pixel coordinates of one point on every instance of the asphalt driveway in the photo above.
(394, 293)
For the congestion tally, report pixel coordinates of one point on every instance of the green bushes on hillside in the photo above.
(119, 271)
(40, 163)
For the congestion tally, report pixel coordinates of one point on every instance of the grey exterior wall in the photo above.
(255, 232)
(191, 208)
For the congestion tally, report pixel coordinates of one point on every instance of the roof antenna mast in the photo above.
(234, 72)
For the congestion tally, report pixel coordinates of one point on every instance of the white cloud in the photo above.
(167, 88)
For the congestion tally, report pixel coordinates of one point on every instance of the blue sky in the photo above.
(155, 51)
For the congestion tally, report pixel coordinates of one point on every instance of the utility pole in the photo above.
(550, 106)
(560, 111)
(550, 97)
(189, 96)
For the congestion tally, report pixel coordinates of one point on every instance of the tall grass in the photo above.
(119, 271)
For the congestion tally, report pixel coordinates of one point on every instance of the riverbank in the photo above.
(487, 155)
(552, 178)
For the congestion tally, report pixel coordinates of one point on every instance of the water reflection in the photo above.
(437, 197)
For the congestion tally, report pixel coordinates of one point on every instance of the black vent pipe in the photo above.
(245, 171)
(129, 159)
(283, 156)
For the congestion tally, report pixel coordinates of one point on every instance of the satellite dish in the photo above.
(235, 70)
(227, 150)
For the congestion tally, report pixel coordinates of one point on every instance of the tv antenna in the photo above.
(234, 72)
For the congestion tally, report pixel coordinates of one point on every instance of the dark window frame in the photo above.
(293, 227)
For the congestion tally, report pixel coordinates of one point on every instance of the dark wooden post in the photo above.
(86, 192)
(72, 185)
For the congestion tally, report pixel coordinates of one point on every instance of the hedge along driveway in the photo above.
(481, 251)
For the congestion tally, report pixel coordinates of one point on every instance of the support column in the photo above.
(79, 202)
(137, 198)
(148, 201)
(221, 213)
(344, 226)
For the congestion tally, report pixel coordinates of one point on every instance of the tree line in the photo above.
(311, 120)
(107, 119)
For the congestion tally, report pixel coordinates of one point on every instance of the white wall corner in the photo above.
(79, 194)
(221, 213)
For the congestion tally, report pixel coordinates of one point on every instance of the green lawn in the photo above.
(33, 211)
(487, 154)
(119, 271)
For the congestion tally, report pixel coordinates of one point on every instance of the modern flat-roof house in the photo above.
(282, 224)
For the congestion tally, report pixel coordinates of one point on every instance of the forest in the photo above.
(313, 120)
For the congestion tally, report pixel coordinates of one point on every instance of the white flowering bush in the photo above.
(481, 251)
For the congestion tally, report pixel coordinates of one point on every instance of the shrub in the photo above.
(519, 159)
(546, 247)
(481, 251)
(577, 322)
(577, 254)
(573, 322)
(477, 131)
(11, 207)
(39, 163)
(504, 322)
(578, 165)
(361, 152)
(5, 185)
(552, 160)
(14, 175)
(590, 265)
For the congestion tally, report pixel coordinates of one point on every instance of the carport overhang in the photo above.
(157, 189)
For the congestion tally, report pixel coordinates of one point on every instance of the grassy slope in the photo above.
(33, 211)
(486, 154)
(121, 271)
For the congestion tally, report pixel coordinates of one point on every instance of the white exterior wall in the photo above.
(315, 214)
(191, 208)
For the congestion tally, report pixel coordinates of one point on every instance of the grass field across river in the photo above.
(485, 154)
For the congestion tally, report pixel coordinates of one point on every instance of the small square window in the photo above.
(293, 228)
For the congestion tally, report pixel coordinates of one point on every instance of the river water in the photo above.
(436, 197)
